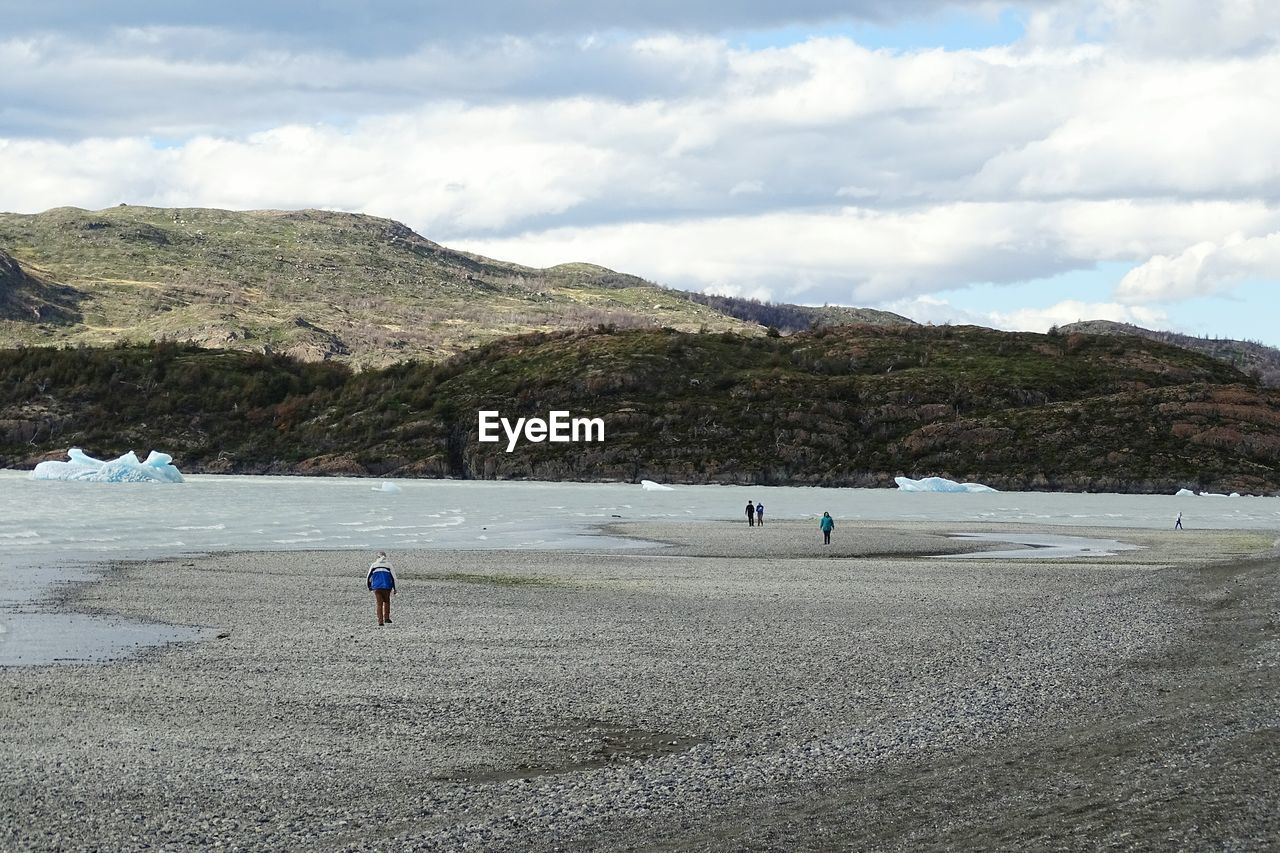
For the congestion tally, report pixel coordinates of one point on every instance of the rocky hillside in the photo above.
(313, 284)
(25, 298)
(1254, 358)
(847, 406)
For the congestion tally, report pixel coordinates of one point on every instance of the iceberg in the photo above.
(158, 468)
(651, 486)
(938, 484)
(388, 487)
(1184, 493)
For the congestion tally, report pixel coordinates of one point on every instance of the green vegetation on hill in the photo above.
(1258, 360)
(309, 283)
(844, 406)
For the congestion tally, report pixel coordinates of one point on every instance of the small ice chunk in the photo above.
(938, 484)
(158, 468)
(1184, 493)
(388, 487)
(651, 486)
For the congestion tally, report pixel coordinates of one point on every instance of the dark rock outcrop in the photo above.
(25, 298)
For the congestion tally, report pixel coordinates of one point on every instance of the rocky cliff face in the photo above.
(13, 282)
(26, 299)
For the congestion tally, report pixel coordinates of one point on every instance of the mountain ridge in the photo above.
(314, 284)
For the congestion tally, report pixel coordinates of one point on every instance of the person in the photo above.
(751, 514)
(826, 525)
(760, 515)
(382, 581)
(1177, 525)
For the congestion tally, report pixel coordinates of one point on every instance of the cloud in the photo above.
(380, 26)
(1072, 311)
(1203, 269)
(1194, 129)
(932, 309)
(1162, 27)
(816, 122)
(859, 255)
(814, 171)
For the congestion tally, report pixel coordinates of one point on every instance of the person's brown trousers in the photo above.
(382, 599)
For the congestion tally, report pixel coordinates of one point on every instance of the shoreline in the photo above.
(44, 626)
(870, 480)
(699, 694)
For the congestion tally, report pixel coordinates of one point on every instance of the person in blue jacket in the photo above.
(382, 580)
(826, 525)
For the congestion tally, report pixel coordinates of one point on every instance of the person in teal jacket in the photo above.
(826, 525)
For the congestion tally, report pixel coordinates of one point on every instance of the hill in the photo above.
(795, 318)
(847, 406)
(1253, 358)
(309, 283)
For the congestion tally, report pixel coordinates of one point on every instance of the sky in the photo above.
(1013, 164)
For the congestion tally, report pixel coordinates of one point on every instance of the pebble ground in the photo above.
(734, 689)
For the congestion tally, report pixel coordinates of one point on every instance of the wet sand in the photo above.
(735, 689)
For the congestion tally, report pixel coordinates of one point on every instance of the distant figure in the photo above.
(382, 581)
(826, 525)
(760, 514)
(751, 514)
(1177, 525)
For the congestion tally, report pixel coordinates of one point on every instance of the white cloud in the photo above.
(694, 162)
(935, 311)
(1203, 269)
(931, 309)
(1072, 311)
(1162, 27)
(1200, 129)
(858, 255)
(373, 26)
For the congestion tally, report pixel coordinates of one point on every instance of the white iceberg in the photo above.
(1184, 493)
(388, 487)
(938, 484)
(651, 486)
(158, 468)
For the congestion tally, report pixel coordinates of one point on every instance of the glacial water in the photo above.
(52, 532)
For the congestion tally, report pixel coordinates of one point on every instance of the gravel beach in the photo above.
(729, 688)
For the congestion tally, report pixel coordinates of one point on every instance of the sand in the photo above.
(734, 689)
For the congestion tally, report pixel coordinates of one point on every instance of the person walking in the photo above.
(826, 525)
(760, 515)
(751, 514)
(1177, 525)
(382, 581)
